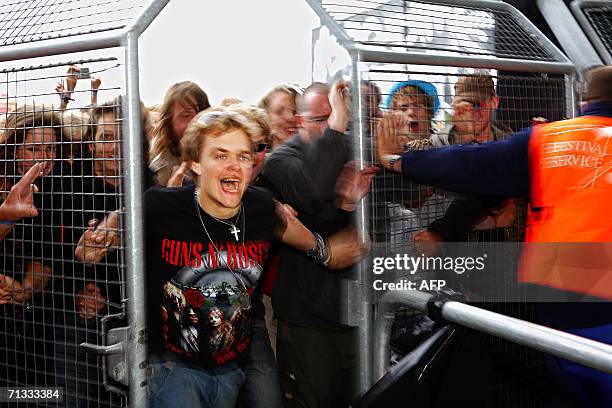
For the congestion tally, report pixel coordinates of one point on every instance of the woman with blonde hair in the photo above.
(182, 102)
(280, 105)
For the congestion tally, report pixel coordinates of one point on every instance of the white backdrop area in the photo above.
(238, 48)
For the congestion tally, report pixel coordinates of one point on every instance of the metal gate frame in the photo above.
(356, 298)
(561, 344)
(578, 7)
(570, 34)
(127, 38)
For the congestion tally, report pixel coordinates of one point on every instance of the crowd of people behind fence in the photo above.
(249, 234)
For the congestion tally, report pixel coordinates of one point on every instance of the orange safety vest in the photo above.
(569, 224)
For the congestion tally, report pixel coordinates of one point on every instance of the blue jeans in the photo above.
(262, 388)
(177, 383)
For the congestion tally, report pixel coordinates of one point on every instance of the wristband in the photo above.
(328, 253)
(319, 253)
(7, 222)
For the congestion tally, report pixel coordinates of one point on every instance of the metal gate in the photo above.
(73, 315)
(431, 45)
(595, 18)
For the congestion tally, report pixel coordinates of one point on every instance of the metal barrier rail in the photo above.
(560, 344)
(550, 59)
(571, 37)
(596, 34)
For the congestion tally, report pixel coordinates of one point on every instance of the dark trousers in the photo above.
(262, 388)
(318, 367)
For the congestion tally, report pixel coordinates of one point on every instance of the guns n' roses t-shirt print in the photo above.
(199, 289)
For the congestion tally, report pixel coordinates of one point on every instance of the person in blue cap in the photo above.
(419, 101)
(416, 102)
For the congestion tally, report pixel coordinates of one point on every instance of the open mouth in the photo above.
(414, 126)
(230, 185)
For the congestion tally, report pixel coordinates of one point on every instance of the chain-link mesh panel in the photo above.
(401, 209)
(33, 20)
(601, 19)
(497, 104)
(595, 17)
(61, 287)
(442, 105)
(433, 27)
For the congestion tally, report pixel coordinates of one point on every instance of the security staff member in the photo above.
(563, 169)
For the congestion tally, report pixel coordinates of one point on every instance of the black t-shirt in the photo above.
(37, 240)
(194, 298)
(87, 197)
(305, 292)
(43, 235)
(91, 197)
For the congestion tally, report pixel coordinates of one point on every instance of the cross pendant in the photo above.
(234, 231)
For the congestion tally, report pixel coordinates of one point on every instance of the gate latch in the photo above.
(115, 353)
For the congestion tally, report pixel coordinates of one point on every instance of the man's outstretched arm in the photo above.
(492, 169)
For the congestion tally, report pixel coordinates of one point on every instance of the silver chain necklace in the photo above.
(243, 297)
(233, 230)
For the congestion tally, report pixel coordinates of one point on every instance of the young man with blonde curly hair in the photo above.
(208, 242)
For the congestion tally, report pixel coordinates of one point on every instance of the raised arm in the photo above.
(492, 169)
(307, 180)
(65, 91)
(95, 85)
(328, 154)
(18, 204)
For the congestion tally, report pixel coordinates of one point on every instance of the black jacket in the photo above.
(304, 176)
